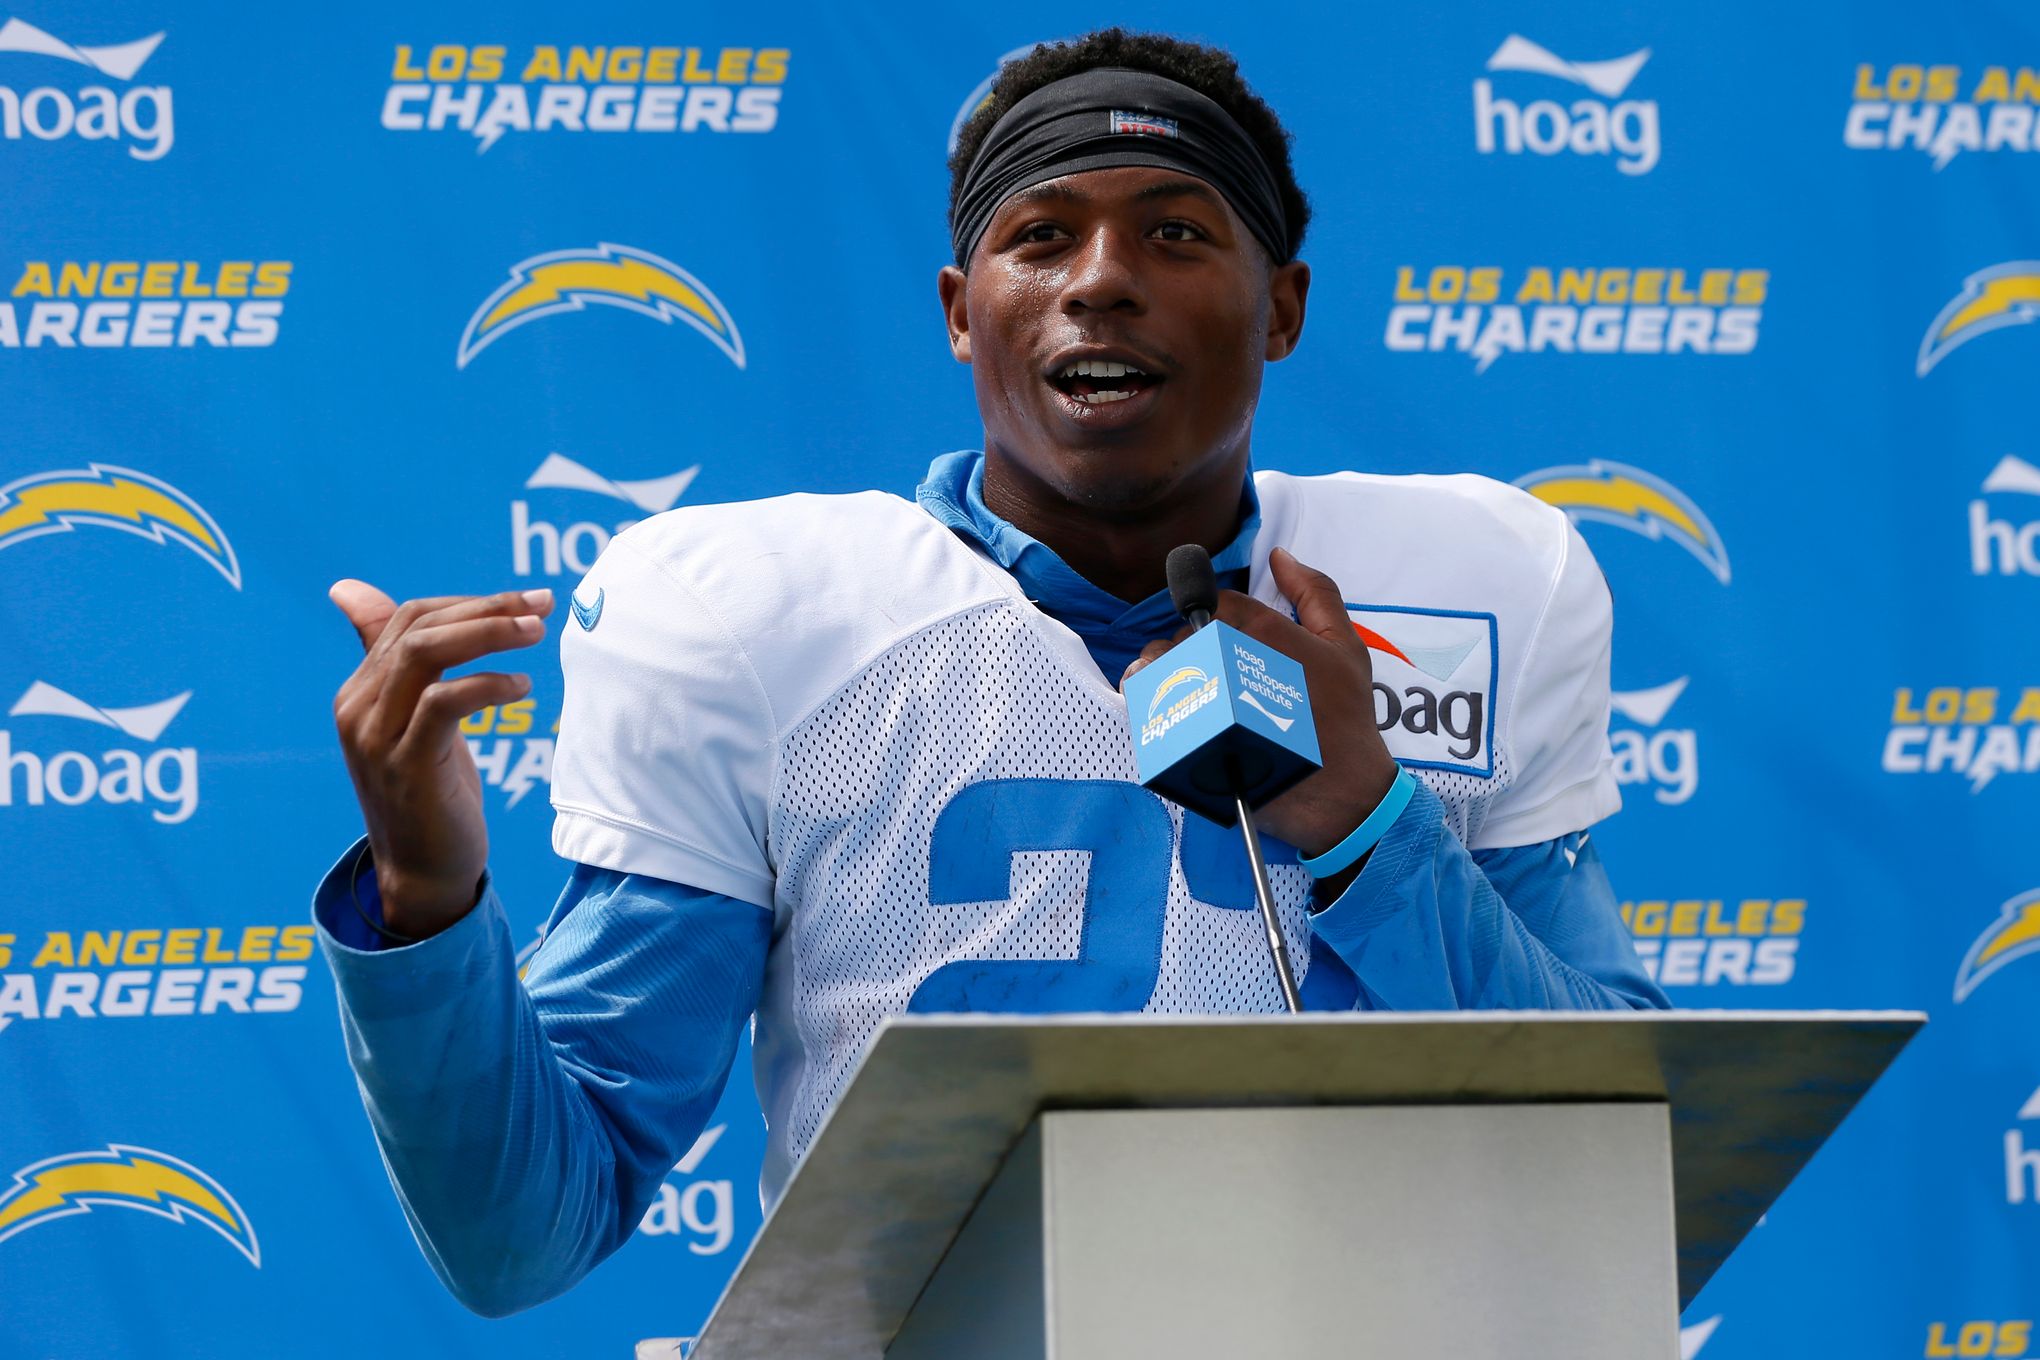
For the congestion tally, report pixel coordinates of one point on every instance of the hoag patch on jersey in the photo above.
(1434, 684)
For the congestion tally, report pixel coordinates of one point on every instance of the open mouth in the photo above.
(1102, 382)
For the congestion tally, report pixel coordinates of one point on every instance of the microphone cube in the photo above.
(1221, 715)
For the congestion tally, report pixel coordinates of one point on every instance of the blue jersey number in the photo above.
(1215, 867)
(1126, 831)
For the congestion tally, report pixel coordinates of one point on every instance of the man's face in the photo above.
(1116, 323)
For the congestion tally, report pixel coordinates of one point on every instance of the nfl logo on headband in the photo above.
(1143, 124)
(1109, 116)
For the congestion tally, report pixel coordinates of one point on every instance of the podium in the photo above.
(1114, 1187)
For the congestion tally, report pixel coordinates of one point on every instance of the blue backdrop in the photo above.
(441, 298)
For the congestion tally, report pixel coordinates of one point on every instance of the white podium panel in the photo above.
(1533, 1232)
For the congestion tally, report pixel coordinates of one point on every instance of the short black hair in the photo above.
(1211, 71)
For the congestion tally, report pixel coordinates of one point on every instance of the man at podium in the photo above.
(829, 759)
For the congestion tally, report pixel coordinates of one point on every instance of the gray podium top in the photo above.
(940, 1099)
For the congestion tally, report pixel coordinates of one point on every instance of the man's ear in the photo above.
(952, 283)
(1288, 290)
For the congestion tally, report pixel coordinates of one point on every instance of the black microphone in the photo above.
(1193, 585)
(1227, 727)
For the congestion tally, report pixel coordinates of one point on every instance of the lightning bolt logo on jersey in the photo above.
(931, 786)
(107, 497)
(128, 1178)
(609, 275)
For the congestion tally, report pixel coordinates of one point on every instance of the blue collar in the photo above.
(1113, 630)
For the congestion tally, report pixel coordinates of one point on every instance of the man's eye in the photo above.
(1178, 231)
(1041, 231)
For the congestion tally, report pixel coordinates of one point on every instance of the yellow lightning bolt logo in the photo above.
(1630, 498)
(128, 1178)
(981, 95)
(1185, 675)
(112, 498)
(2015, 934)
(609, 275)
(2003, 295)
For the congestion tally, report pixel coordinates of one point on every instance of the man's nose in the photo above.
(1105, 275)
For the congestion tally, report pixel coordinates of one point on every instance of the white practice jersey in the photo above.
(837, 709)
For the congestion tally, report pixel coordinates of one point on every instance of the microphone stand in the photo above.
(1264, 896)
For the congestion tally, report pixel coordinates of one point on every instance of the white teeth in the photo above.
(1099, 368)
(1101, 398)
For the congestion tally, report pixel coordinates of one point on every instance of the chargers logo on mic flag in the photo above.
(612, 275)
(1221, 712)
(112, 498)
(2003, 295)
(128, 1178)
(1184, 691)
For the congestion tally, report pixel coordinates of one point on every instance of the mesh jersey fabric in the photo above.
(925, 779)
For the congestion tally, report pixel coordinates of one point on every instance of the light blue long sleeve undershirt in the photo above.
(527, 1124)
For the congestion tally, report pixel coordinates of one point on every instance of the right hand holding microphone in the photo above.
(399, 723)
(1321, 810)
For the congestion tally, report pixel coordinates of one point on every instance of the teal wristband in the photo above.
(1342, 856)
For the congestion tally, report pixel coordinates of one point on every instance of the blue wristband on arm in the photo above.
(1342, 856)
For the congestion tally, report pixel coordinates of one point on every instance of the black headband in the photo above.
(1109, 117)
